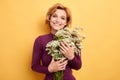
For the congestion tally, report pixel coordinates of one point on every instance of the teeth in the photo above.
(56, 24)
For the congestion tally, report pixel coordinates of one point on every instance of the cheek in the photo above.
(64, 22)
(51, 21)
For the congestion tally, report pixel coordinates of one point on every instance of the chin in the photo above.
(57, 28)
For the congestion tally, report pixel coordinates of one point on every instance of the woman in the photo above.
(58, 17)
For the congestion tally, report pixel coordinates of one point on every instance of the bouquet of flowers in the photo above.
(73, 38)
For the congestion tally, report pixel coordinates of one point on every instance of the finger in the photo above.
(63, 64)
(52, 59)
(60, 61)
(62, 68)
(65, 43)
(65, 59)
(63, 46)
(62, 50)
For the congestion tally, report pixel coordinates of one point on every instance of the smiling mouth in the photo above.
(56, 24)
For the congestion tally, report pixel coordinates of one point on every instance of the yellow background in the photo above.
(21, 21)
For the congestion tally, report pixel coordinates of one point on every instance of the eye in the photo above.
(63, 18)
(54, 16)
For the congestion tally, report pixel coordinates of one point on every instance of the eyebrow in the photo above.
(61, 16)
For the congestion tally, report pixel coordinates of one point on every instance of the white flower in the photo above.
(71, 37)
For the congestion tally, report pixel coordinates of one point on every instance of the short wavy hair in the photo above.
(54, 8)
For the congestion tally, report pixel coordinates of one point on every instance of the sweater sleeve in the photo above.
(37, 56)
(76, 62)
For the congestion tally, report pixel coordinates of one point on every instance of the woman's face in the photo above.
(58, 20)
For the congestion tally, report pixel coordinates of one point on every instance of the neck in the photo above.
(53, 31)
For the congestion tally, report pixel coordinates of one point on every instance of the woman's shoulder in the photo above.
(44, 37)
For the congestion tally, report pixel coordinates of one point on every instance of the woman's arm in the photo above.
(75, 63)
(36, 57)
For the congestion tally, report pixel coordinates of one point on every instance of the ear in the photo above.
(49, 17)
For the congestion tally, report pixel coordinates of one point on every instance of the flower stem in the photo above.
(58, 75)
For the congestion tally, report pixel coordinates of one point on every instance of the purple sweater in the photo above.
(40, 54)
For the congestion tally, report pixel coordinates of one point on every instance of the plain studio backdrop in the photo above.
(21, 21)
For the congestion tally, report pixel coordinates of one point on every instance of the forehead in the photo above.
(60, 12)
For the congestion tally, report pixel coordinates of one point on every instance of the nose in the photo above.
(57, 20)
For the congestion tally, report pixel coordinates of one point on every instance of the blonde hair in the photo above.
(54, 8)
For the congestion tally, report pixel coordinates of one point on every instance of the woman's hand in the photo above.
(55, 66)
(67, 50)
